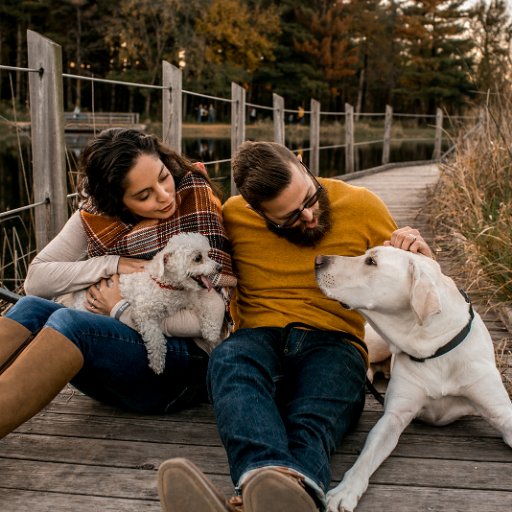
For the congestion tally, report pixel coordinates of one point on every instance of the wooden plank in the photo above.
(391, 498)
(37, 501)
(78, 479)
(84, 406)
(110, 452)
(127, 429)
(143, 450)
(453, 474)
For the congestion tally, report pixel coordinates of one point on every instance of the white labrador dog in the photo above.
(444, 364)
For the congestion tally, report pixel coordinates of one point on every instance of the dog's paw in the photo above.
(158, 366)
(156, 348)
(340, 499)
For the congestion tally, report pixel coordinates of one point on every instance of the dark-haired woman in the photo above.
(137, 194)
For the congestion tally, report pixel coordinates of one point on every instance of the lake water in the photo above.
(14, 183)
(17, 244)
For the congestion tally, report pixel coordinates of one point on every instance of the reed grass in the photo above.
(472, 206)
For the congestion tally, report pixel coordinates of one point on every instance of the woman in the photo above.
(137, 193)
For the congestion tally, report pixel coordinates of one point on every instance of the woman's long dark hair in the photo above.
(109, 157)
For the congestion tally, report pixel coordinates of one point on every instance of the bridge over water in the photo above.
(78, 455)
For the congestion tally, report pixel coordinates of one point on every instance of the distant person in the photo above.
(211, 114)
(204, 114)
(137, 194)
(300, 115)
(199, 113)
(252, 115)
(76, 112)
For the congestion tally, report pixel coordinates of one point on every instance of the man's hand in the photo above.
(409, 239)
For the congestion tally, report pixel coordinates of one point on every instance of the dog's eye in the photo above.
(198, 258)
(370, 260)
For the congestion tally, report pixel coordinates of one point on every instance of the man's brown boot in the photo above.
(13, 339)
(183, 487)
(276, 489)
(36, 376)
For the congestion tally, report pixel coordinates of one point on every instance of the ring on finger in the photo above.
(413, 238)
(92, 302)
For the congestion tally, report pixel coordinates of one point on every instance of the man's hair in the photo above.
(261, 170)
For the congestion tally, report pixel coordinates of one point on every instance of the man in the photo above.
(288, 384)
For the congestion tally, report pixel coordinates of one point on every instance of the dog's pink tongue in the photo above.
(206, 282)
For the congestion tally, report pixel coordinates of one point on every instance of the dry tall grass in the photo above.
(473, 205)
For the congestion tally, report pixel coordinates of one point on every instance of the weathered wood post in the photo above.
(47, 134)
(172, 105)
(314, 135)
(278, 117)
(388, 123)
(439, 135)
(349, 138)
(237, 123)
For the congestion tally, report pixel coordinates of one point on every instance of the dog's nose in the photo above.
(320, 261)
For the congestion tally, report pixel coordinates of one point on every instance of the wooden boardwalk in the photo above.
(80, 456)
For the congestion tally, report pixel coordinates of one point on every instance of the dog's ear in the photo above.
(425, 300)
(158, 264)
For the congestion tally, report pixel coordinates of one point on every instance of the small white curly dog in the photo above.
(176, 278)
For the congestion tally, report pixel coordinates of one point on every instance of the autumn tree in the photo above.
(293, 74)
(436, 55)
(330, 46)
(140, 35)
(238, 39)
(15, 17)
(492, 29)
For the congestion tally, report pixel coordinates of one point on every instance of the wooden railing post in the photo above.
(278, 116)
(172, 105)
(439, 135)
(349, 138)
(388, 123)
(47, 134)
(237, 123)
(314, 135)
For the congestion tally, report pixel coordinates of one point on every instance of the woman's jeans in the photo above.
(285, 398)
(115, 369)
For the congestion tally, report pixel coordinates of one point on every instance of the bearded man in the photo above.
(288, 384)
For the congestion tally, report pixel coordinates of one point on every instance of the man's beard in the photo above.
(308, 237)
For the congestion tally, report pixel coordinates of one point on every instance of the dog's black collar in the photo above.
(454, 342)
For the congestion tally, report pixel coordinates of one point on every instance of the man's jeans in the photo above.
(285, 400)
(115, 369)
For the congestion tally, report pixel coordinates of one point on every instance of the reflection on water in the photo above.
(14, 183)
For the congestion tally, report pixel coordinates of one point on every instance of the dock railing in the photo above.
(49, 210)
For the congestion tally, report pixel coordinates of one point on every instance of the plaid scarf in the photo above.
(198, 210)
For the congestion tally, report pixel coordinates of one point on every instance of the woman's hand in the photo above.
(409, 239)
(103, 296)
(130, 265)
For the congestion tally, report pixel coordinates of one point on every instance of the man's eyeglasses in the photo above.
(295, 216)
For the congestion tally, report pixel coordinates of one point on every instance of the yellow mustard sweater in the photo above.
(276, 279)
